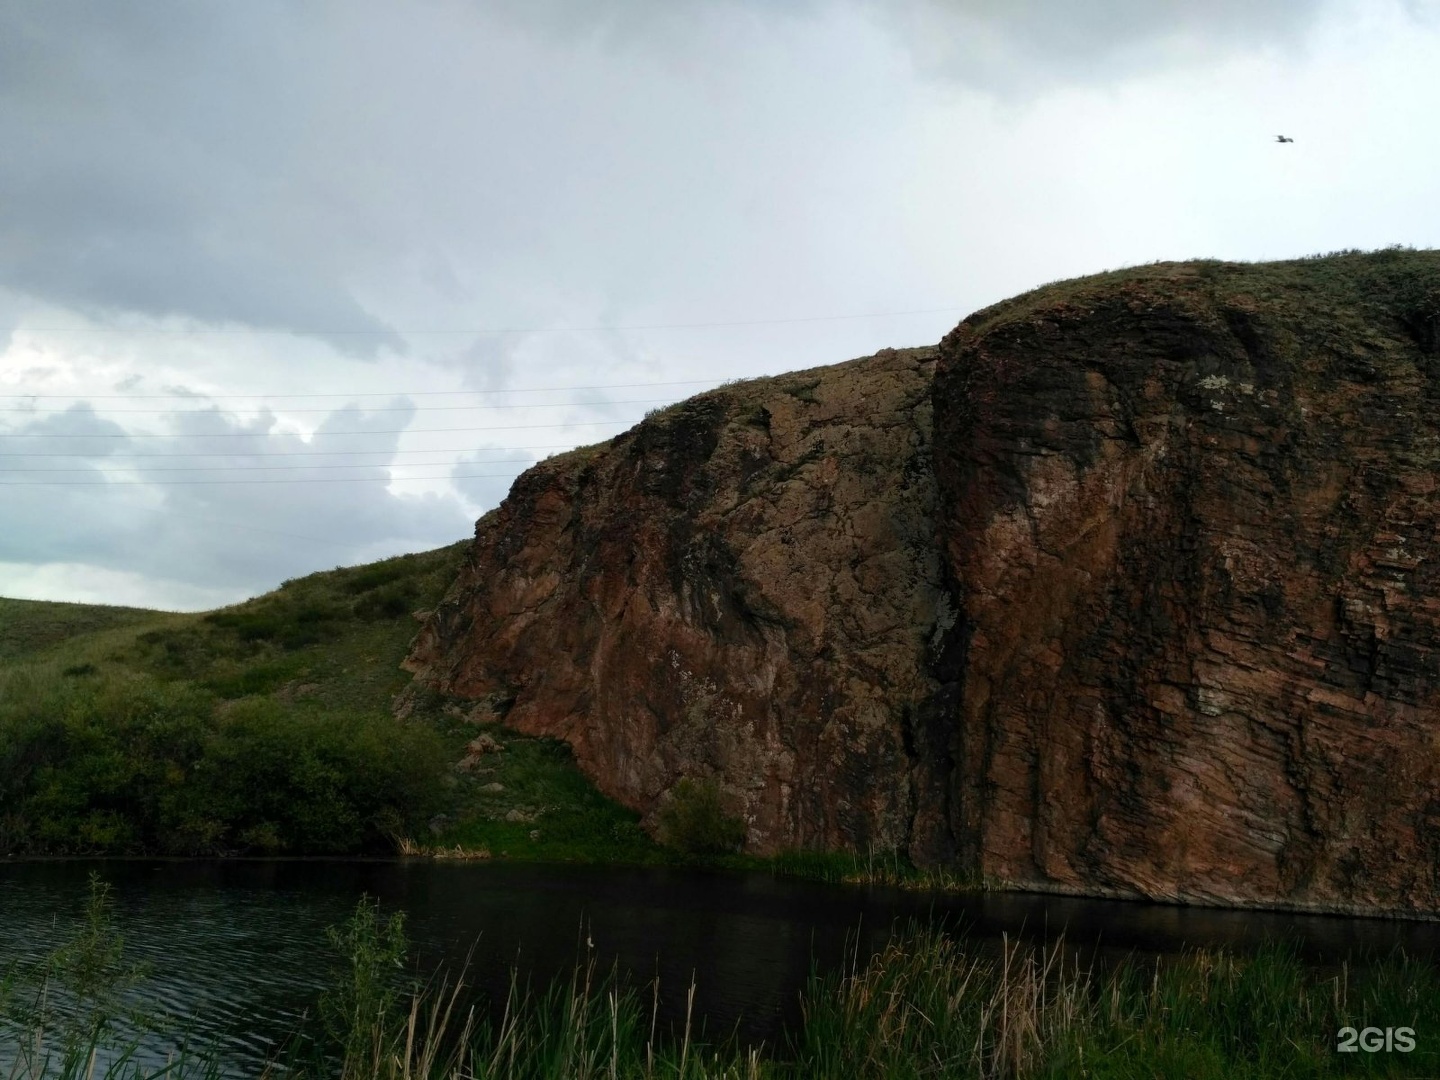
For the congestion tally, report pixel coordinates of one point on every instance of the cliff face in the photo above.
(1194, 513)
(744, 587)
(1153, 609)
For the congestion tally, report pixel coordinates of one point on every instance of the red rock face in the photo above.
(744, 587)
(1152, 610)
(1193, 513)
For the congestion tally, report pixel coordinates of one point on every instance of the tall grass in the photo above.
(873, 867)
(933, 1005)
(925, 1006)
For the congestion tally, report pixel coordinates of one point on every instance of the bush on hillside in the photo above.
(130, 764)
(694, 820)
(298, 781)
(291, 625)
(388, 602)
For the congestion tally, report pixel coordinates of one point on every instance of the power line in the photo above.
(310, 332)
(296, 434)
(379, 409)
(317, 480)
(295, 453)
(379, 393)
(376, 393)
(269, 468)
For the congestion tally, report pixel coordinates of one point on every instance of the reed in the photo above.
(586, 1027)
(925, 1005)
(874, 867)
(454, 853)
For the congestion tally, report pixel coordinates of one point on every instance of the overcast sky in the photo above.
(285, 286)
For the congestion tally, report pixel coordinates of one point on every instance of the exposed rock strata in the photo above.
(1194, 512)
(745, 586)
(1155, 613)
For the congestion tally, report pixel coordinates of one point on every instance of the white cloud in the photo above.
(82, 583)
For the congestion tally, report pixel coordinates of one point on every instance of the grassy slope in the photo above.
(330, 643)
(31, 627)
(340, 633)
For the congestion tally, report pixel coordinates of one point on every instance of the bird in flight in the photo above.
(1282, 138)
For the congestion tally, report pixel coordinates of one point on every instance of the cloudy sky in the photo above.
(285, 286)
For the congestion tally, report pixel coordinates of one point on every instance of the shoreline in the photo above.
(918, 883)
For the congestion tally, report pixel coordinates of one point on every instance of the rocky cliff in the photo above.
(1131, 587)
(746, 586)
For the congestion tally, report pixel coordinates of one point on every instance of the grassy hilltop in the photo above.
(268, 728)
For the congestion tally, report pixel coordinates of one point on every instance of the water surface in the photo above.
(237, 949)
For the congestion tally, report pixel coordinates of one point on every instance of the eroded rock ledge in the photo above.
(1152, 608)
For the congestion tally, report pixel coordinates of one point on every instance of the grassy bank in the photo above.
(927, 1005)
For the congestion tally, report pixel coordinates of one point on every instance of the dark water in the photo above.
(237, 949)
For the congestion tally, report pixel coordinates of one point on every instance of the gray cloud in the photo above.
(1006, 46)
(1027, 46)
(149, 511)
(304, 168)
(345, 166)
(484, 476)
(488, 363)
(260, 164)
(157, 169)
(74, 430)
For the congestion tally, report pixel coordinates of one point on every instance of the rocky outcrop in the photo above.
(744, 587)
(1194, 511)
(1153, 609)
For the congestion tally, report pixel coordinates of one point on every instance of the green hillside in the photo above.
(269, 727)
(29, 627)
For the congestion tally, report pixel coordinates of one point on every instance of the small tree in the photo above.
(357, 1010)
(91, 970)
(694, 820)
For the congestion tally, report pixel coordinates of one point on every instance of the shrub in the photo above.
(371, 951)
(126, 764)
(389, 602)
(306, 781)
(695, 822)
(288, 624)
(254, 679)
(375, 575)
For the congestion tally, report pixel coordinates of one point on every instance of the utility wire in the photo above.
(258, 332)
(317, 480)
(377, 409)
(296, 434)
(271, 468)
(294, 453)
(377, 393)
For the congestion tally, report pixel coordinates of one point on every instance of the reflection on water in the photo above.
(237, 949)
